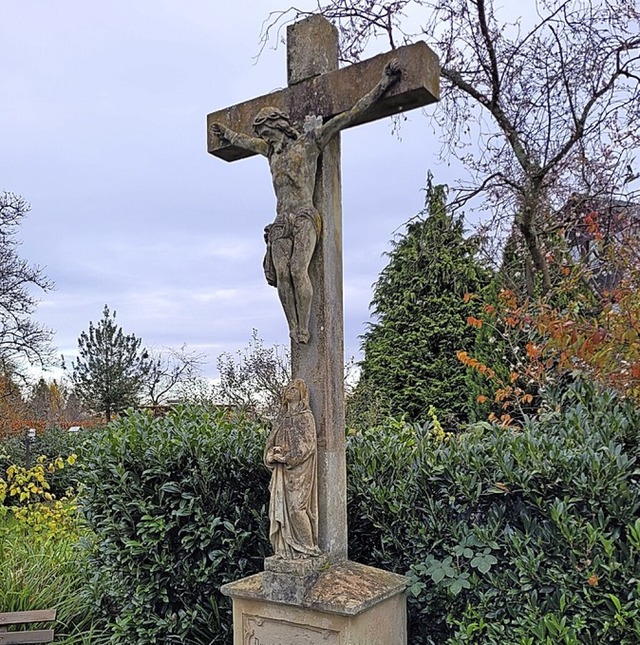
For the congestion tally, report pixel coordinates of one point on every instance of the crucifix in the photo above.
(297, 129)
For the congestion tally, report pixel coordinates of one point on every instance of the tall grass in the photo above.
(47, 573)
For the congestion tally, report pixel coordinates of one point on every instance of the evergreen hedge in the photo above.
(526, 536)
(179, 506)
(511, 536)
(420, 308)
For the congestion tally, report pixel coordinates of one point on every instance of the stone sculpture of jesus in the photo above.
(293, 159)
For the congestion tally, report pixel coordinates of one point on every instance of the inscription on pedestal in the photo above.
(266, 631)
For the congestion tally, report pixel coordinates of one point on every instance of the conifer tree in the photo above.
(109, 373)
(421, 316)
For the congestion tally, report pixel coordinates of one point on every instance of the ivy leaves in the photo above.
(453, 572)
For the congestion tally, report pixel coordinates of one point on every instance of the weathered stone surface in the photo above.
(258, 630)
(305, 62)
(287, 589)
(299, 567)
(249, 587)
(291, 455)
(304, 243)
(351, 588)
(335, 92)
(283, 588)
(350, 604)
(347, 588)
(294, 156)
(289, 581)
(321, 361)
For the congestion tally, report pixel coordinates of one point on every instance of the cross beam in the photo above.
(318, 88)
(331, 93)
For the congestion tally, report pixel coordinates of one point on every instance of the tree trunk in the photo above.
(527, 221)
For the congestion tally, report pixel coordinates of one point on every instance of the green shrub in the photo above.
(510, 536)
(180, 506)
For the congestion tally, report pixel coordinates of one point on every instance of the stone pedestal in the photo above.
(289, 581)
(346, 604)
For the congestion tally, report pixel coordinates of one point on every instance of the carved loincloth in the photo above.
(286, 226)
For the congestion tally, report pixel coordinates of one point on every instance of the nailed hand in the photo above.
(219, 130)
(392, 71)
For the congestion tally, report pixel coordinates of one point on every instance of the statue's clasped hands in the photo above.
(275, 455)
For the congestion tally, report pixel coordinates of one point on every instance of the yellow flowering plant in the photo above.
(37, 508)
(55, 519)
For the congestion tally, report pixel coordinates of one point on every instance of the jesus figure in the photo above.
(293, 159)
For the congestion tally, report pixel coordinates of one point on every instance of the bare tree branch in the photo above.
(21, 338)
(559, 95)
(170, 370)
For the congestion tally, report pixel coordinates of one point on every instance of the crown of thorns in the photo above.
(268, 114)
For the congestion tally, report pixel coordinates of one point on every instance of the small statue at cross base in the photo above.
(293, 159)
(291, 455)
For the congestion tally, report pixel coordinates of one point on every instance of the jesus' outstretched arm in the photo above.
(254, 144)
(390, 76)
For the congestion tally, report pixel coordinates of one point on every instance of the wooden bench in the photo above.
(24, 618)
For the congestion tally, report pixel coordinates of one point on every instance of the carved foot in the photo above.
(303, 337)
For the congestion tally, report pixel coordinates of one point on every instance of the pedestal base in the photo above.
(289, 581)
(349, 604)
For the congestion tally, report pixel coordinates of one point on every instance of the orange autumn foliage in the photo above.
(579, 327)
(571, 330)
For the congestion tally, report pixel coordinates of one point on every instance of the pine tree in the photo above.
(109, 372)
(421, 315)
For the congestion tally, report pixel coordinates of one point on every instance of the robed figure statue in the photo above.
(291, 455)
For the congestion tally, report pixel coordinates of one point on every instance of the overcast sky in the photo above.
(102, 115)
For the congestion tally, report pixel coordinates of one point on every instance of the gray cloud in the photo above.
(102, 110)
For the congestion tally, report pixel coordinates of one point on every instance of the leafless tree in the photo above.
(539, 106)
(170, 370)
(253, 379)
(21, 338)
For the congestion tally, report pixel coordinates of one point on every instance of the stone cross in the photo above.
(317, 87)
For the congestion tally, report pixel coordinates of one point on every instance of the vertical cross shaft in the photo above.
(312, 49)
(317, 88)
